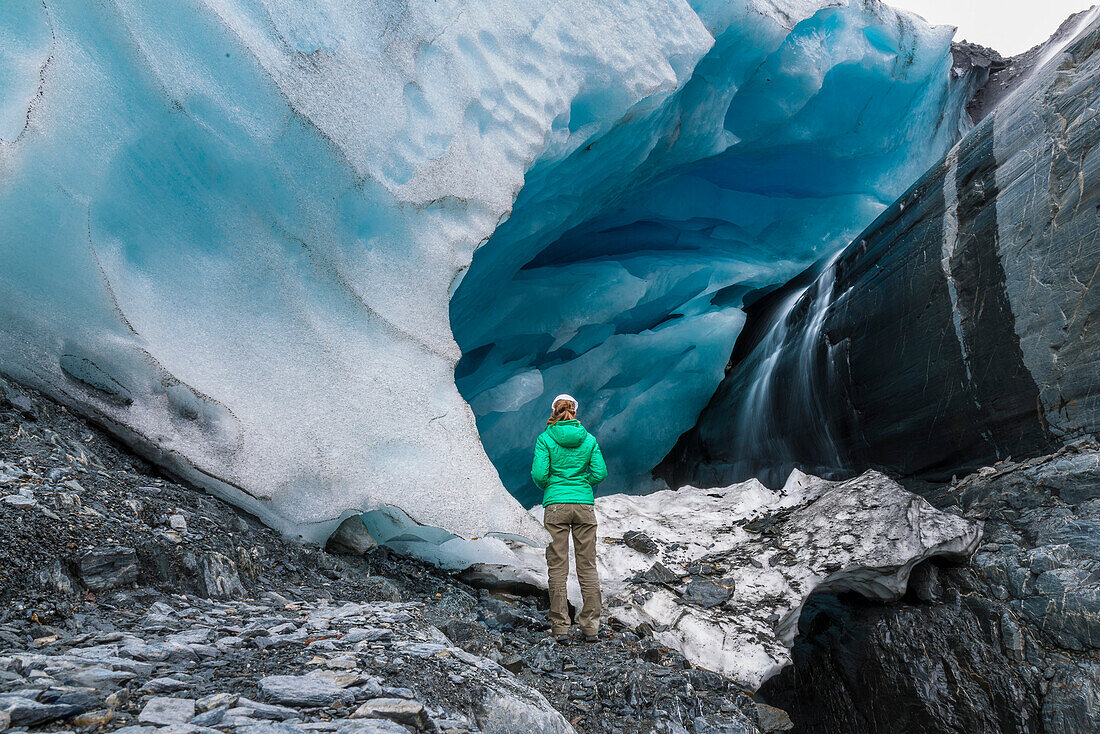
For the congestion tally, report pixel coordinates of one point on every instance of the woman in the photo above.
(567, 465)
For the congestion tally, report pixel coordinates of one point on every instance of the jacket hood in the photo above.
(568, 434)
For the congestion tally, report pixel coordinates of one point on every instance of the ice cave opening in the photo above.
(621, 274)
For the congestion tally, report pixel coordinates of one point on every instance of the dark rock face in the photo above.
(955, 332)
(1007, 643)
(910, 669)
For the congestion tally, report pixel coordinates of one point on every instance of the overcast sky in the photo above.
(1009, 26)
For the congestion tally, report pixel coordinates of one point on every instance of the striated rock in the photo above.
(27, 712)
(410, 713)
(640, 542)
(215, 700)
(219, 577)
(1072, 702)
(511, 709)
(932, 670)
(58, 578)
(107, 567)
(658, 573)
(707, 593)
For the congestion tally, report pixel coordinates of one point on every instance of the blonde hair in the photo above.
(564, 410)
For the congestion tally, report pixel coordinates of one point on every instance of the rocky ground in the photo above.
(132, 602)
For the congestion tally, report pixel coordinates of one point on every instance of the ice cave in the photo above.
(819, 274)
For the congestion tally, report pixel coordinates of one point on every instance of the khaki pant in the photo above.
(580, 520)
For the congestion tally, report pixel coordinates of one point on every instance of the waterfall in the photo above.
(781, 414)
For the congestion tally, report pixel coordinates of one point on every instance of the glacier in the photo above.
(239, 233)
(621, 273)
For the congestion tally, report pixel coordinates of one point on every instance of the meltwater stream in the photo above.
(766, 413)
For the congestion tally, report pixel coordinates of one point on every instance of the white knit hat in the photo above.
(563, 396)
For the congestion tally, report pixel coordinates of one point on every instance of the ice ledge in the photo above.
(771, 548)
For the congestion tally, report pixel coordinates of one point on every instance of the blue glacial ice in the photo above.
(239, 232)
(620, 275)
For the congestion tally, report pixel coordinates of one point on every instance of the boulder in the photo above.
(303, 690)
(107, 567)
(165, 711)
(410, 713)
(219, 577)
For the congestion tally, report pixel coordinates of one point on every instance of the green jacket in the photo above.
(568, 464)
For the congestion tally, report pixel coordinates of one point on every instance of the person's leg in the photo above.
(584, 547)
(556, 520)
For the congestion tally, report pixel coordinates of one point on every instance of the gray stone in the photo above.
(26, 712)
(219, 577)
(164, 711)
(352, 537)
(773, 719)
(100, 677)
(216, 700)
(370, 726)
(211, 718)
(11, 397)
(58, 578)
(1072, 702)
(258, 710)
(507, 712)
(410, 713)
(302, 690)
(658, 573)
(1071, 617)
(107, 567)
(270, 727)
(707, 593)
(1012, 637)
(165, 685)
(640, 542)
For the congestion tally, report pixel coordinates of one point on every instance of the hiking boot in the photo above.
(591, 638)
(563, 639)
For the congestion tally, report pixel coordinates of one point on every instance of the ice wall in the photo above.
(230, 228)
(621, 273)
